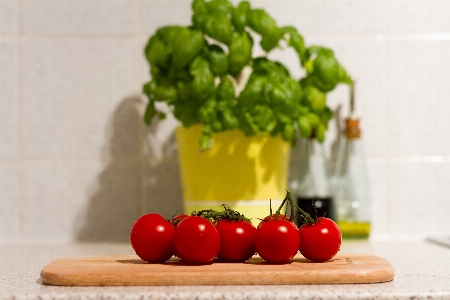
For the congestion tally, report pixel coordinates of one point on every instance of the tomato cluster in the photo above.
(278, 239)
(194, 239)
(230, 237)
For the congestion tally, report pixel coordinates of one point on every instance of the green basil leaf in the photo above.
(156, 73)
(240, 49)
(313, 119)
(314, 98)
(218, 60)
(186, 46)
(206, 142)
(325, 71)
(199, 6)
(168, 33)
(288, 133)
(165, 93)
(148, 89)
(150, 112)
(218, 27)
(239, 15)
(320, 132)
(203, 83)
(326, 115)
(253, 91)
(225, 90)
(186, 113)
(197, 20)
(219, 6)
(344, 77)
(263, 24)
(261, 119)
(217, 126)
(286, 95)
(207, 111)
(296, 41)
(184, 91)
(304, 126)
(157, 53)
(229, 120)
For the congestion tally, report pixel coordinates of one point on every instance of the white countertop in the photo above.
(422, 271)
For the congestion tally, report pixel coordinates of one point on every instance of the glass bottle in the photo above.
(351, 190)
(310, 183)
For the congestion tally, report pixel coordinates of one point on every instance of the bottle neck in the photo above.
(312, 176)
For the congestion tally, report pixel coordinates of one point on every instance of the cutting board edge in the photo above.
(59, 281)
(50, 276)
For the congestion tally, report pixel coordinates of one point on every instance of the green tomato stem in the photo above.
(277, 213)
(303, 214)
(226, 214)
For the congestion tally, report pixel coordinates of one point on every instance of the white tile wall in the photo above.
(377, 172)
(157, 13)
(8, 124)
(417, 17)
(78, 17)
(69, 91)
(417, 95)
(8, 201)
(77, 163)
(327, 16)
(7, 17)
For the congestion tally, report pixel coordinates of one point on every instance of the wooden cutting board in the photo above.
(131, 271)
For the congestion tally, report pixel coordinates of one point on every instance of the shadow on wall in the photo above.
(161, 172)
(142, 176)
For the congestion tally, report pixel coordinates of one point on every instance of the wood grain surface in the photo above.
(123, 270)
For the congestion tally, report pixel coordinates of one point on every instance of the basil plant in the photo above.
(195, 70)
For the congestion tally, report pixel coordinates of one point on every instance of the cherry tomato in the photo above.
(277, 241)
(196, 240)
(151, 238)
(321, 240)
(236, 240)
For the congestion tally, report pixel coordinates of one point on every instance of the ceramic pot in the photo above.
(242, 172)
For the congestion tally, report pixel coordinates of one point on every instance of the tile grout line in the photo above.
(141, 176)
(17, 208)
(116, 160)
(386, 133)
(73, 37)
(141, 157)
(415, 36)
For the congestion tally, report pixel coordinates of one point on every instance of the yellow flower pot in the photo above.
(244, 173)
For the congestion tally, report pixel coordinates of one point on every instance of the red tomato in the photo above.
(277, 241)
(151, 238)
(196, 240)
(320, 240)
(236, 240)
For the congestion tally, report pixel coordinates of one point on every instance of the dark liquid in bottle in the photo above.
(316, 206)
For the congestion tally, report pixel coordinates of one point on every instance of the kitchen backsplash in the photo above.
(77, 162)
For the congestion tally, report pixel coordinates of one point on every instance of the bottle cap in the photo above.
(352, 129)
